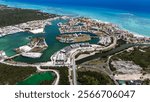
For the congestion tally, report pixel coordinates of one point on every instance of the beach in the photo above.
(136, 22)
(72, 35)
(51, 31)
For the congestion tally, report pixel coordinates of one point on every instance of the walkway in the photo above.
(74, 72)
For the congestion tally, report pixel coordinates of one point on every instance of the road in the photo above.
(74, 72)
(111, 73)
(39, 69)
(70, 75)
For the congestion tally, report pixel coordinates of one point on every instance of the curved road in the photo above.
(38, 68)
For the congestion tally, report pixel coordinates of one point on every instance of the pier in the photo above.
(14, 56)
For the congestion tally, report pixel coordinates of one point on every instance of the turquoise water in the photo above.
(136, 22)
(53, 45)
(10, 42)
(36, 79)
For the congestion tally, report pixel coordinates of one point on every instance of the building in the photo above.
(2, 56)
(105, 41)
(25, 48)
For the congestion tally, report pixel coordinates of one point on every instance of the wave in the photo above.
(123, 19)
(126, 14)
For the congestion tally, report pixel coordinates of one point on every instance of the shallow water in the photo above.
(132, 20)
(20, 39)
(36, 79)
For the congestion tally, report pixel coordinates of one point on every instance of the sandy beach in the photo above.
(135, 34)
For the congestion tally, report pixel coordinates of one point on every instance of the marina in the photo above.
(51, 31)
(65, 41)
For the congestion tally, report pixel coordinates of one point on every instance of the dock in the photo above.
(14, 56)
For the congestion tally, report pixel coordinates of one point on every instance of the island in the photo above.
(33, 49)
(73, 38)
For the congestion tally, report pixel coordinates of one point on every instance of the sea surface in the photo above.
(131, 15)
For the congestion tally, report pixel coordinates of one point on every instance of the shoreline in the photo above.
(44, 22)
(135, 34)
(30, 26)
(107, 32)
(40, 9)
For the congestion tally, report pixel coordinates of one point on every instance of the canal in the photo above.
(10, 42)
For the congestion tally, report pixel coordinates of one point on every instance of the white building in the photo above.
(105, 41)
(2, 55)
(25, 48)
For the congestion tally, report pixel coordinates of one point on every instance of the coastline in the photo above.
(108, 34)
(44, 8)
(35, 27)
(38, 26)
(135, 34)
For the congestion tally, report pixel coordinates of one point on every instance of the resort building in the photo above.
(65, 56)
(105, 40)
(25, 48)
(2, 56)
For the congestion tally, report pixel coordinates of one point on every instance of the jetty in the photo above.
(14, 56)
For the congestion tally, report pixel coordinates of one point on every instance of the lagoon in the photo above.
(36, 79)
(10, 42)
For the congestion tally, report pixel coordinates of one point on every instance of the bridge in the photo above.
(14, 56)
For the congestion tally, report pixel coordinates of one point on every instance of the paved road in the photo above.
(74, 72)
(111, 75)
(70, 75)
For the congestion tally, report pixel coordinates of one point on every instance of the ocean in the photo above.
(130, 5)
(133, 16)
